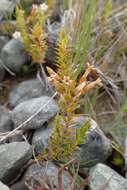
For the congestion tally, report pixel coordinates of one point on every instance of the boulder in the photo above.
(3, 41)
(40, 139)
(7, 7)
(6, 123)
(13, 55)
(39, 174)
(53, 32)
(96, 146)
(48, 109)
(103, 177)
(2, 71)
(13, 157)
(3, 187)
(26, 90)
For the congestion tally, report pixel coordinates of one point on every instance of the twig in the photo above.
(60, 179)
(60, 174)
(7, 69)
(107, 113)
(29, 119)
(20, 132)
(74, 178)
(29, 163)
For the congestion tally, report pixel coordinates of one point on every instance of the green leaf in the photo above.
(81, 133)
(108, 8)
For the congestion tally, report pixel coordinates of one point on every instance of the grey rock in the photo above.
(12, 158)
(38, 174)
(3, 187)
(6, 123)
(7, 7)
(17, 137)
(20, 185)
(26, 109)
(13, 55)
(53, 33)
(26, 90)
(101, 176)
(3, 40)
(96, 146)
(2, 71)
(40, 139)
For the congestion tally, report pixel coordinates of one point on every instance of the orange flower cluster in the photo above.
(81, 87)
(70, 91)
(85, 85)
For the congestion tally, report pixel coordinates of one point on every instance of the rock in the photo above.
(17, 137)
(103, 177)
(6, 123)
(40, 139)
(53, 33)
(3, 40)
(3, 187)
(26, 90)
(39, 174)
(13, 55)
(96, 147)
(13, 156)
(20, 185)
(27, 108)
(2, 71)
(7, 7)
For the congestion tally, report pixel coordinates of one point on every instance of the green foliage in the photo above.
(90, 102)
(118, 127)
(26, 5)
(81, 133)
(63, 139)
(124, 107)
(82, 37)
(118, 160)
(108, 8)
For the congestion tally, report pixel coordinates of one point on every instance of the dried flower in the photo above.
(17, 35)
(43, 7)
(90, 68)
(35, 7)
